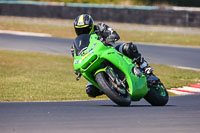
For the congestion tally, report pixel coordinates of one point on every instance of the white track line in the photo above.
(188, 68)
(20, 33)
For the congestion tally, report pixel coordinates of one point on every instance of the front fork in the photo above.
(116, 82)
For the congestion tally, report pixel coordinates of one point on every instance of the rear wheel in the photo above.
(112, 90)
(157, 95)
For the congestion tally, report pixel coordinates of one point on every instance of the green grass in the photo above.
(42, 77)
(174, 77)
(38, 77)
(160, 37)
(55, 27)
(128, 32)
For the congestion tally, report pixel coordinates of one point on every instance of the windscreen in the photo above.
(81, 43)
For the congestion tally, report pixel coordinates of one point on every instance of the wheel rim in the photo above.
(161, 90)
(117, 90)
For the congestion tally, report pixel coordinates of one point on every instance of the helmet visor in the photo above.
(85, 30)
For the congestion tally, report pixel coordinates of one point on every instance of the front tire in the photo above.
(103, 80)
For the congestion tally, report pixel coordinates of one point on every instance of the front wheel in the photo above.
(110, 90)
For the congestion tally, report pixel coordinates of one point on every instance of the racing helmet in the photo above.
(84, 24)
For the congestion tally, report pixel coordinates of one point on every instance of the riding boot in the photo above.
(144, 65)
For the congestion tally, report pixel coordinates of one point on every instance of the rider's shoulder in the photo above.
(101, 24)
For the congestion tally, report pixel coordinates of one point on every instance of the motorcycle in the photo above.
(115, 74)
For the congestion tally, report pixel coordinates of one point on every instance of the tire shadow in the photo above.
(137, 106)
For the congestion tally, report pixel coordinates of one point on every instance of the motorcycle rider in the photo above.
(84, 24)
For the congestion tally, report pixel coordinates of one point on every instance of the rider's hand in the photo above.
(111, 39)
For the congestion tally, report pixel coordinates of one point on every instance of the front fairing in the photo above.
(86, 52)
(86, 56)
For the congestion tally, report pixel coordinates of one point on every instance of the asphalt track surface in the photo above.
(180, 115)
(177, 56)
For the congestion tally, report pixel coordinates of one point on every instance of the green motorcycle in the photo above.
(114, 73)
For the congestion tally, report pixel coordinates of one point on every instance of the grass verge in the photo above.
(128, 32)
(41, 77)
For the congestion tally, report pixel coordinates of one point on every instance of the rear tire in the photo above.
(107, 88)
(157, 96)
